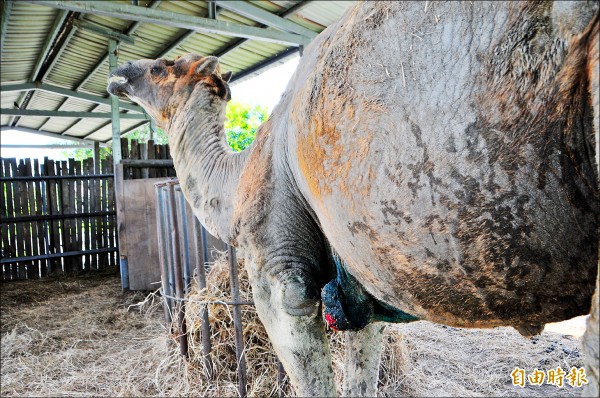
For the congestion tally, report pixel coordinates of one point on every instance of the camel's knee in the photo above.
(298, 291)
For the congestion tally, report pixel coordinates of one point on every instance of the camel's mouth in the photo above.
(117, 85)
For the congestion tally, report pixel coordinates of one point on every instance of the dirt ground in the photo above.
(85, 337)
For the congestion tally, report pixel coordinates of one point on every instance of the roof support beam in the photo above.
(67, 93)
(92, 115)
(47, 134)
(177, 20)
(58, 54)
(48, 146)
(259, 15)
(99, 30)
(129, 130)
(58, 22)
(296, 8)
(134, 26)
(123, 133)
(6, 9)
(176, 43)
(268, 62)
(25, 98)
(212, 9)
(240, 42)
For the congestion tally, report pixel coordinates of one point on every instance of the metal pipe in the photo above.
(182, 211)
(124, 268)
(177, 20)
(71, 114)
(41, 146)
(58, 255)
(212, 9)
(161, 254)
(47, 134)
(204, 235)
(102, 31)
(63, 92)
(201, 275)
(114, 105)
(168, 246)
(237, 322)
(179, 292)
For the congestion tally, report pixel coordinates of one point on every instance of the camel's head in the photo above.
(162, 87)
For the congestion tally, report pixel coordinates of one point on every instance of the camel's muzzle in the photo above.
(117, 85)
(122, 79)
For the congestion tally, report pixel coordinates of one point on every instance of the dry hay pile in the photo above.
(84, 337)
(81, 337)
(419, 359)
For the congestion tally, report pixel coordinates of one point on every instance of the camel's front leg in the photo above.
(287, 302)
(361, 365)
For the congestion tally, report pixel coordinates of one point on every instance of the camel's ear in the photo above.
(226, 76)
(207, 66)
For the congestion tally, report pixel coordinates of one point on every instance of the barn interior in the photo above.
(81, 240)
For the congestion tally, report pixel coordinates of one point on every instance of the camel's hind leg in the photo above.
(363, 352)
(287, 302)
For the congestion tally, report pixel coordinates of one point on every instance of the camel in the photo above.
(433, 159)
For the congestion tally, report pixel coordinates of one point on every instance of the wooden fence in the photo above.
(134, 150)
(57, 216)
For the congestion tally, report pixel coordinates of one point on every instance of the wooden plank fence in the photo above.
(57, 216)
(134, 150)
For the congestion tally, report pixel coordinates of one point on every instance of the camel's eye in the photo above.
(156, 70)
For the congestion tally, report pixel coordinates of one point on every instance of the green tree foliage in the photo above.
(85, 153)
(142, 134)
(240, 128)
(242, 122)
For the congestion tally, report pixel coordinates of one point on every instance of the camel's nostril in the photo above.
(117, 79)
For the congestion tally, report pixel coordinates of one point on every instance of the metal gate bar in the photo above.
(179, 249)
(201, 257)
(177, 267)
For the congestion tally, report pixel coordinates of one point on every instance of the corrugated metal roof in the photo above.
(77, 57)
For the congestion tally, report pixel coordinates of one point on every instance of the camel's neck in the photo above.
(207, 168)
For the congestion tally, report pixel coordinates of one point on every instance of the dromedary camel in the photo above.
(435, 160)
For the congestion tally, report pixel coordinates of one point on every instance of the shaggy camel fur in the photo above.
(443, 152)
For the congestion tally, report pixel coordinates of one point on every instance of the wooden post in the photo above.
(144, 156)
(23, 229)
(96, 157)
(41, 232)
